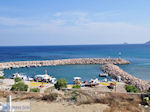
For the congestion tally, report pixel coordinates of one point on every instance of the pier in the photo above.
(114, 71)
(22, 64)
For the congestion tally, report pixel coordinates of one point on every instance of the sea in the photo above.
(137, 54)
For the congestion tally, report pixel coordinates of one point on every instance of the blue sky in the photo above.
(67, 22)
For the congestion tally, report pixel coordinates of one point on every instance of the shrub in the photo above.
(75, 94)
(35, 90)
(76, 86)
(18, 79)
(20, 86)
(74, 97)
(50, 97)
(61, 83)
(130, 88)
(2, 77)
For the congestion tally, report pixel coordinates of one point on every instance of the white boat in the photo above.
(1, 73)
(105, 80)
(30, 79)
(76, 80)
(45, 78)
(19, 75)
(94, 81)
(103, 75)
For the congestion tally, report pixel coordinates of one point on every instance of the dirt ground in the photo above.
(65, 107)
(42, 106)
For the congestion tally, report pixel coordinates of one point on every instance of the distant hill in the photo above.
(125, 43)
(148, 43)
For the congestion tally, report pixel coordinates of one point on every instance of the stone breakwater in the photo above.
(114, 71)
(19, 64)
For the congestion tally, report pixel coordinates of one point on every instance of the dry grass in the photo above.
(117, 102)
(50, 97)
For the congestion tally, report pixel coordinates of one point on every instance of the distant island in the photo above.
(125, 43)
(148, 43)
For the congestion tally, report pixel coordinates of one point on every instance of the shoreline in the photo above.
(109, 66)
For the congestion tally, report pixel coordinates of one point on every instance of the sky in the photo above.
(73, 22)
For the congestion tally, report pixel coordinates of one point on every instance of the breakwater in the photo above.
(114, 71)
(19, 64)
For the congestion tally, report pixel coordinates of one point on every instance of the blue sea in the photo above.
(137, 54)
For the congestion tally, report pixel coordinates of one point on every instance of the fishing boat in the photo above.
(77, 80)
(45, 78)
(103, 75)
(1, 73)
(105, 80)
(19, 75)
(92, 82)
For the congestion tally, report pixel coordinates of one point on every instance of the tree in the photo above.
(76, 86)
(18, 79)
(61, 83)
(20, 86)
(35, 90)
(2, 77)
(130, 88)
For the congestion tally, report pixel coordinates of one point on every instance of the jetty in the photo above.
(114, 71)
(22, 64)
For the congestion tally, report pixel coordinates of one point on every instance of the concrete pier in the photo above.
(19, 64)
(114, 71)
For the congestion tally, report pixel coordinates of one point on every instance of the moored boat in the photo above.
(77, 80)
(19, 75)
(103, 75)
(1, 73)
(45, 78)
(92, 82)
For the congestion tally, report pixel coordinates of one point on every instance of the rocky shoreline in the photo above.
(114, 71)
(21, 64)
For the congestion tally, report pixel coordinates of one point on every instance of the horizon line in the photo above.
(70, 45)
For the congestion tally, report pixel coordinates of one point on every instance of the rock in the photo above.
(114, 71)
(7, 65)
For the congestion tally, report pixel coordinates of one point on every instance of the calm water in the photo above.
(139, 55)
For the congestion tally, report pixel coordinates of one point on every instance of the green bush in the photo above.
(130, 88)
(20, 86)
(18, 79)
(61, 83)
(2, 77)
(35, 90)
(76, 86)
(74, 95)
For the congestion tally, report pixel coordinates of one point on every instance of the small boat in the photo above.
(45, 78)
(30, 79)
(77, 80)
(103, 75)
(105, 80)
(19, 75)
(1, 73)
(92, 82)
(112, 85)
